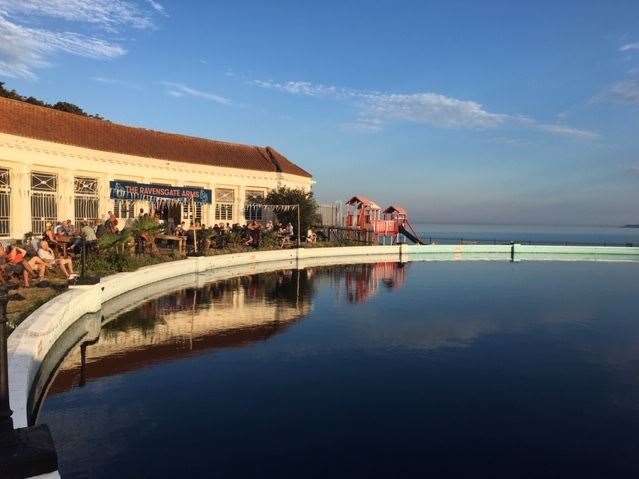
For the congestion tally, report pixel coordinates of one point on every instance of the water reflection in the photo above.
(221, 314)
(476, 369)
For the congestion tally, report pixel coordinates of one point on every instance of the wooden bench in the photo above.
(180, 240)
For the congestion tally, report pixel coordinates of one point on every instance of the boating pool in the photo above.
(433, 369)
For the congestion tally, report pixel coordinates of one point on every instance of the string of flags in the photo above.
(274, 208)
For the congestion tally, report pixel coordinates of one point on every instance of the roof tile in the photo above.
(31, 121)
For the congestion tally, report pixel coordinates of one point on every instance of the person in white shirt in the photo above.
(48, 256)
(310, 236)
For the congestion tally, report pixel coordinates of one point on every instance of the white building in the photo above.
(57, 166)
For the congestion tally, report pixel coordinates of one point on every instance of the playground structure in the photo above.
(366, 216)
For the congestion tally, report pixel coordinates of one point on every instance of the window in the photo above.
(5, 198)
(86, 200)
(124, 209)
(254, 212)
(44, 202)
(191, 207)
(193, 210)
(224, 199)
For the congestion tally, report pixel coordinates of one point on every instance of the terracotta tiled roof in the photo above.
(23, 119)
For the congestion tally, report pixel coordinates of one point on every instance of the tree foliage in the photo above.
(309, 210)
(61, 105)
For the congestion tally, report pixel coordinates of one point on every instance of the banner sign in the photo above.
(129, 190)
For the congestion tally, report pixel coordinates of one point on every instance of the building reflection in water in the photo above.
(229, 313)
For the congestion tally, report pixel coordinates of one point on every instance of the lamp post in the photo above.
(299, 232)
(84, 279)
(27, 451)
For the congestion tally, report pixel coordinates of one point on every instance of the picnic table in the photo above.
(64, 242)
(180, 240)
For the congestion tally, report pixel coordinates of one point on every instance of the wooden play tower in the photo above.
(377, 226)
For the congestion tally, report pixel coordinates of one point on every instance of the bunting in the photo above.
(274, 208)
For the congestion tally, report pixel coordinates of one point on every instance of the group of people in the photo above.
(53, 250)
(28, 264)
(62, 241)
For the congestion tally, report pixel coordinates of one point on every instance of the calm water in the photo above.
(468, 369)
(452, 233)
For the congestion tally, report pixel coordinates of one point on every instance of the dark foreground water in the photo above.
(484, 369)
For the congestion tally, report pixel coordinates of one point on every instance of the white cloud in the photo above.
(24, 49)
(179, 90)
(564, 130)
(157, 7)
(26, 46)
(629, 46)
(432, 108)
(626, 91)
(303, 88)
(376, 109)
(115, 81)
(110, 14)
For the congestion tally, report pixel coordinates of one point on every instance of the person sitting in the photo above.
(254, 234)
(111, 224)
(100, 230)
(311, 237)
(48, 256)
(31, 243)
(20, 264)
(59, 228)
(50, 236)
(88, 235)
(68, 229)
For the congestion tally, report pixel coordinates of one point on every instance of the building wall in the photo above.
(22, 156)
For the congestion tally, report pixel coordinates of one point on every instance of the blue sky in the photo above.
(491, 111)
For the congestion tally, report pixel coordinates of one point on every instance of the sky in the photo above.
(462, 111)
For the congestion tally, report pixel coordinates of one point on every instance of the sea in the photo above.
(528, 234)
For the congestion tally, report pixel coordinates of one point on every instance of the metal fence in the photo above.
(332, 214)
(434, 239)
